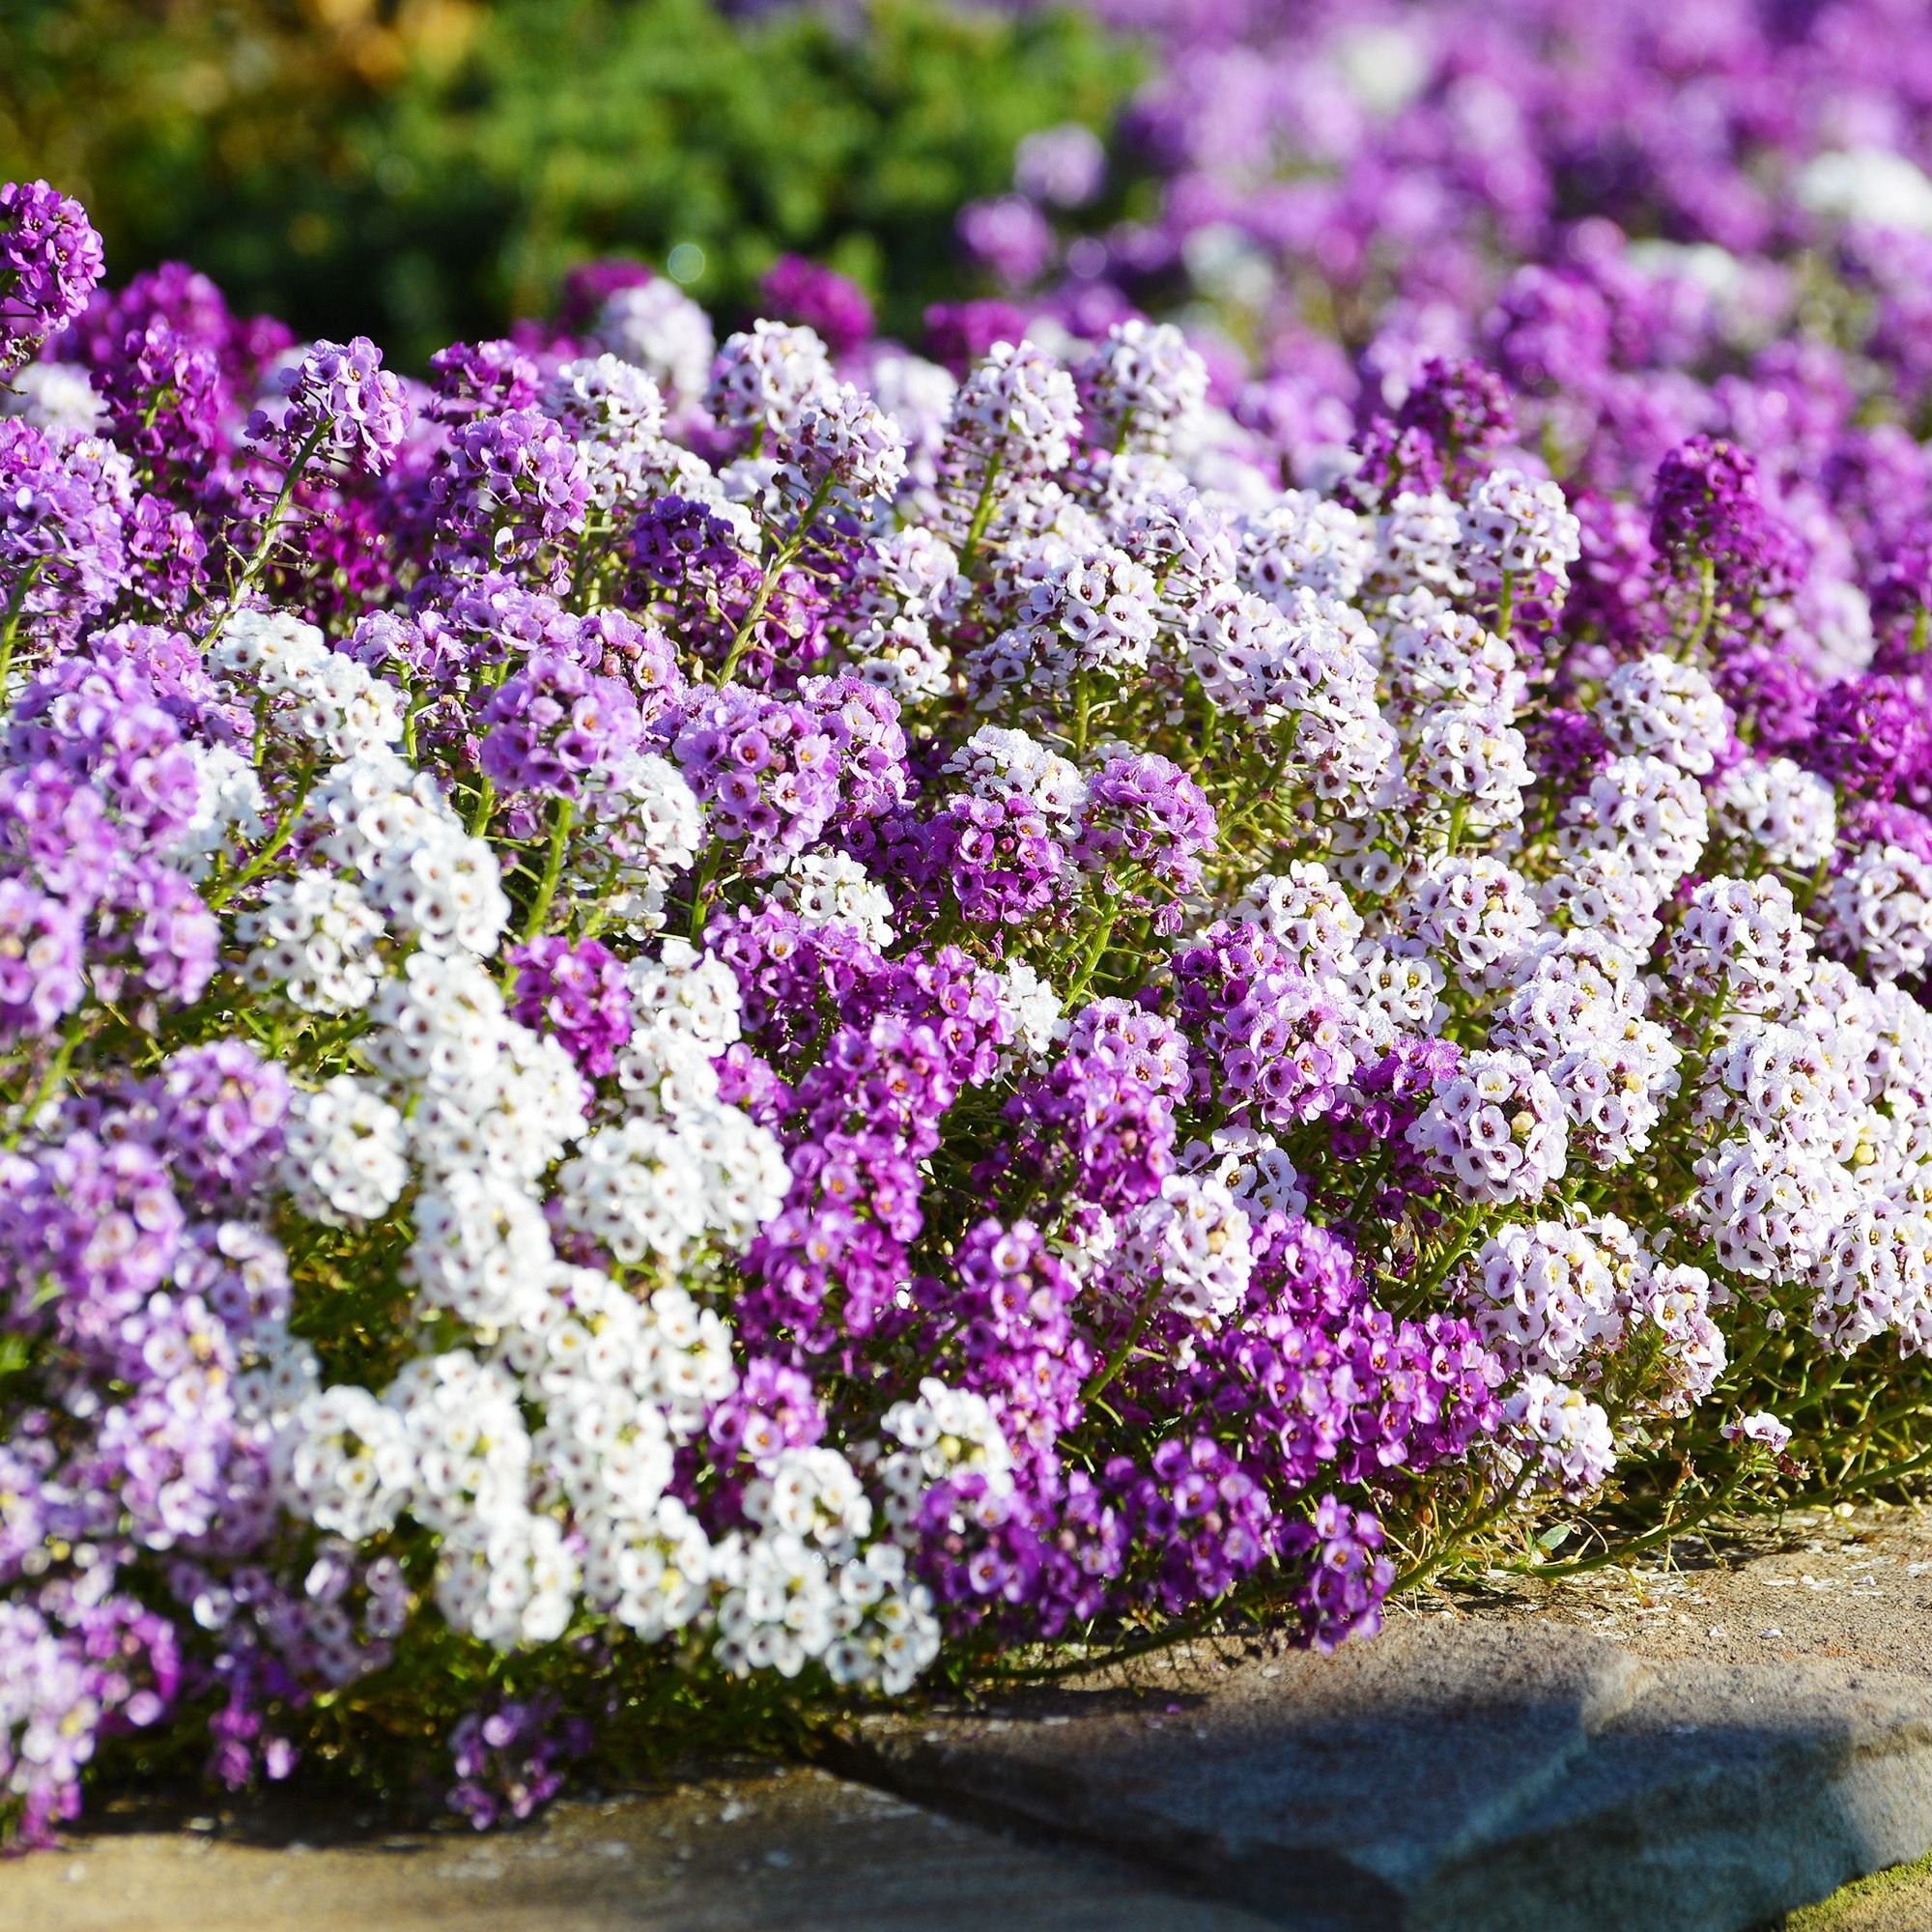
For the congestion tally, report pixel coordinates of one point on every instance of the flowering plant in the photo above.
(693, 1023)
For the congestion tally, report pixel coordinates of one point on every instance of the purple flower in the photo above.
(1275, 1043)
(1009, 236)
(219, 1114)
(1708, 510)
(476, 379)
(1143, 808)
(151, 928)
(510, 1758)
(98, 1225)
(512, 485)
(39, 959)
(763, 767)
(588, 286)
(63, 505)
(340, 400)
(556, 727)
(798, 290)
(959, 334)
(50, 258)
(576, 994)
(1870, 736)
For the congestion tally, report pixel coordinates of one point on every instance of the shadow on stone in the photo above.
(1460, 1776)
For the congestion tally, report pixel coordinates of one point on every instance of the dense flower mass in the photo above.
(694, 1023)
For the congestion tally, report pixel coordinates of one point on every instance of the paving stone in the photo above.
(1460, 1776)
(794, 1850)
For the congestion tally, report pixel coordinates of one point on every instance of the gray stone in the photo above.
(1459, 1776)
(793, 1850)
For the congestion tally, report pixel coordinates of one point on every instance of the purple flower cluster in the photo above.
(339, 402)
(510, 1759)
(1145, 810)
(1276, 1048)
(878, 1052)
(64, 505)
(796, 290)
(1101, 1118)
(558, 727)
(511, 492)
(576, 994)
(50, 259)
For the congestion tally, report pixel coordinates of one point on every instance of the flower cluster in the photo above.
(745, 1014)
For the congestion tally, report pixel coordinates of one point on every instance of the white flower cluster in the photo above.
(942, 1432)
(658, 329)
(768, 377)
(1497, 1131)
(1790, 816)
(325, 704)
(1191, 1242)
(997, 763)
(833, 889)
(1143, 388)
(1666, 710)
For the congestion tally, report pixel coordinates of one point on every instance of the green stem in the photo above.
(272, 530)
(1090, 958)
(1707, 605)
(1649, 1539)
(562, 815)
(701, 889)
(782, 561)
(1465, 1230)
(1083, 704)
(1479, 1518)
(1150, 1300)
(982, 515)
(485, 807)
(218, 896)
(71, 1036)
(10, 626)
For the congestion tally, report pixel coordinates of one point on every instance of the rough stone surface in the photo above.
(1707, 1739)
(1855, 1587)
(1460, 1772)
(794, 1850)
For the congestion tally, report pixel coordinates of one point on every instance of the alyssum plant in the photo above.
(681, 1019)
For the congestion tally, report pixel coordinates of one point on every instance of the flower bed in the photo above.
(694, 1030)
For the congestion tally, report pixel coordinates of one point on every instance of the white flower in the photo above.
(1881, 911)
(510, 1582)
(312, 938)
(833, 889)
(768, 377)
(343, 1153)
(1565, 1433)
(660, 330)
(1666, 709)
(342, 1461)
(1144, 386)
(1519, 528)
(1495, 1128)
(481, 1248)
(1790, 815)
(1192, 1240)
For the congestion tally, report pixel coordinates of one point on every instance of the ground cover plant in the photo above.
(693, 1029)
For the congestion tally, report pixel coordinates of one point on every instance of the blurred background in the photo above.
(421, 171)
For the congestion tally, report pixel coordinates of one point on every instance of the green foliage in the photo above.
(424, 171)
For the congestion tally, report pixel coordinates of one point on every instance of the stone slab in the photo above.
(792, 1850)
(1458, 1775)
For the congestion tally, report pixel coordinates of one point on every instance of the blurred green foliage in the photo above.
(422, 170)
